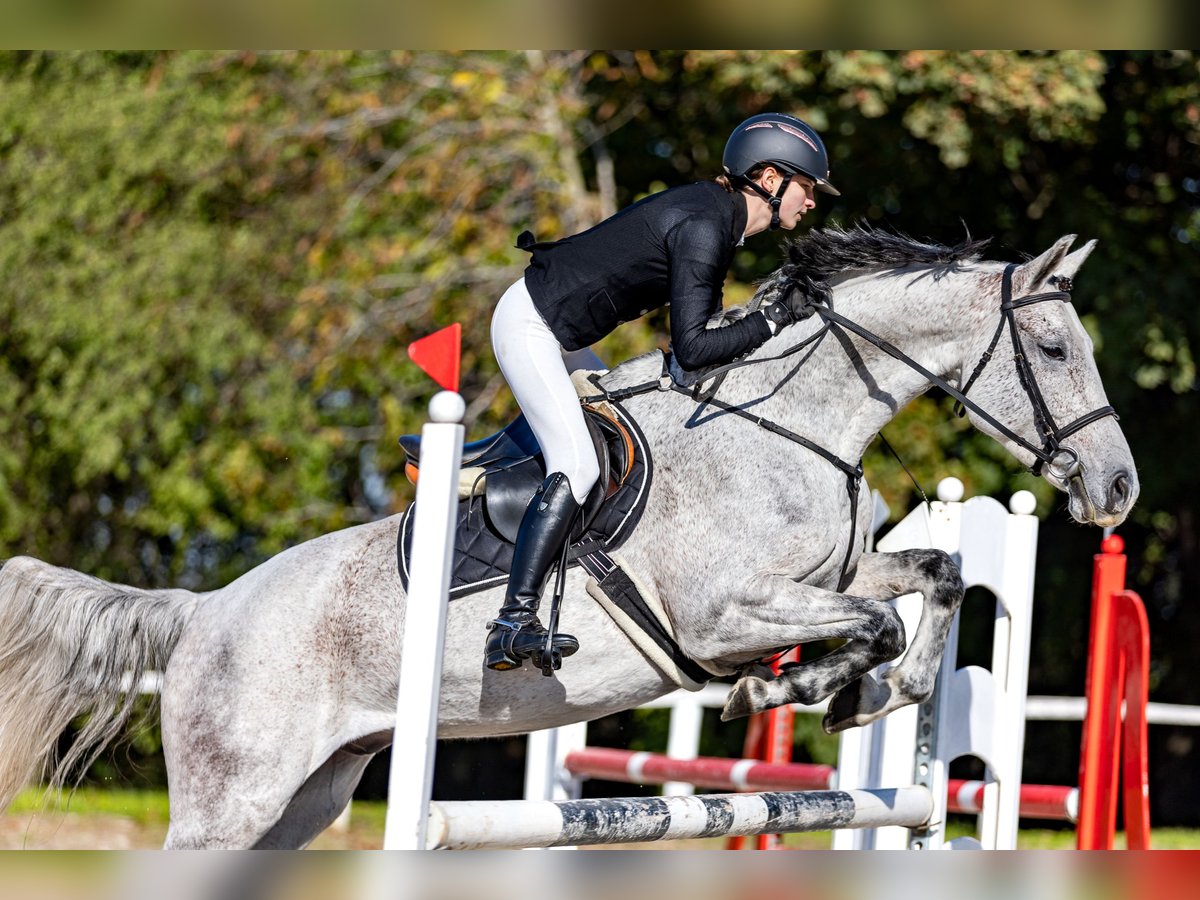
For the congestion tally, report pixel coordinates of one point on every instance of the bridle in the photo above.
(1052, 434)
(1062, 462)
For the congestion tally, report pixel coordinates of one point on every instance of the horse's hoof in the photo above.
(748, 696)
(842, 709)
(860, 703)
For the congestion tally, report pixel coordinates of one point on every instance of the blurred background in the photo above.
(212, 264)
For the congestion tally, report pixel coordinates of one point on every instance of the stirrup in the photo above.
(549, 658)
(505, 656)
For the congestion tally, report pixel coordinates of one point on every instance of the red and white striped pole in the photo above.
(1037, 801)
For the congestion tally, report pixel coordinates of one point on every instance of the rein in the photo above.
(1051, 434)
(717, 375)
(665, 382)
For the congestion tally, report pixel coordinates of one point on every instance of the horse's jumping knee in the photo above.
(879, 638)
(889, 639)
(946, 585)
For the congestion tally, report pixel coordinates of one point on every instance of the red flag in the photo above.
(439, 355)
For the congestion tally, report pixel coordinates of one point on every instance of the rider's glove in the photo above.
(778, 315)
(803, 296)
(798, 300)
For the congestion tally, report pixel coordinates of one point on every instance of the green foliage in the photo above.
(811, 743)
(144, 806)
(214, 264)
(144, 404)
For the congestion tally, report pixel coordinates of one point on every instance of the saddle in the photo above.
(498, 479)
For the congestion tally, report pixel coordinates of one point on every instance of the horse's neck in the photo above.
(849, 389)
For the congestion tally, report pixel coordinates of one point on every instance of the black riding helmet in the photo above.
(782, 141)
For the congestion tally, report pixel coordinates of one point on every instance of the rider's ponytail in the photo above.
(728, 183)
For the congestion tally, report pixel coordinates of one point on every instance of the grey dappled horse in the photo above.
(278, 688)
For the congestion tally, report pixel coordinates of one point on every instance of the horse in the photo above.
(278, 688)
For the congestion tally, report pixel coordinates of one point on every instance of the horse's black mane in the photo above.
(823, 253)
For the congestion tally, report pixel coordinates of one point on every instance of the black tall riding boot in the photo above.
(516, 634)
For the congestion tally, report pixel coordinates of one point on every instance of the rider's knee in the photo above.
(583, 476)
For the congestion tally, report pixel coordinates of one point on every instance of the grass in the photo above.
(145, 807)
(147, 812)
(121, 818)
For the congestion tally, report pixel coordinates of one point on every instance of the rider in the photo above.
(672, 247)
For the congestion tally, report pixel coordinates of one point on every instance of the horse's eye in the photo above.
(1053, 351)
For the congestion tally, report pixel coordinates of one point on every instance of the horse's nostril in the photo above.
(1119, 491)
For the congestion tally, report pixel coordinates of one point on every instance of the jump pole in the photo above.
(512, 824)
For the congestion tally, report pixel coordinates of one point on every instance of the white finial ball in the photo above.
(950, 490)
(1023, 503)
(447, 406)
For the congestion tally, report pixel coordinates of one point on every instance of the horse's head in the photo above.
(1043, 384)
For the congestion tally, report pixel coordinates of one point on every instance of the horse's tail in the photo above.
(70, 644)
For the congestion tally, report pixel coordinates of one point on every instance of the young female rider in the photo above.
(673, 247)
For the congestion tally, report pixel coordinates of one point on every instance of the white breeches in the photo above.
(536, 368)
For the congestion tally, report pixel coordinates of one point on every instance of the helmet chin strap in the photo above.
(774, 200)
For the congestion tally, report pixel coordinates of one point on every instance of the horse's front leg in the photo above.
(779, 612)
(931, 573)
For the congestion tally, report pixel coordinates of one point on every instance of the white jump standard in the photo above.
(501, 824)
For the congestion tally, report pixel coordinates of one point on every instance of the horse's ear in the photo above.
(1031, 275)
(1072, 261)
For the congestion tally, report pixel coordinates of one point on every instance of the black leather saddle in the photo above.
(509, 468)
(513, 468)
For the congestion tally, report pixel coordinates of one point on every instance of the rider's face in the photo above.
(798, 199)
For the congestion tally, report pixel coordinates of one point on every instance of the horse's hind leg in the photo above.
(228, 793)
(260, 803)
(238, 751)
(933, 574)
(318, 802)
